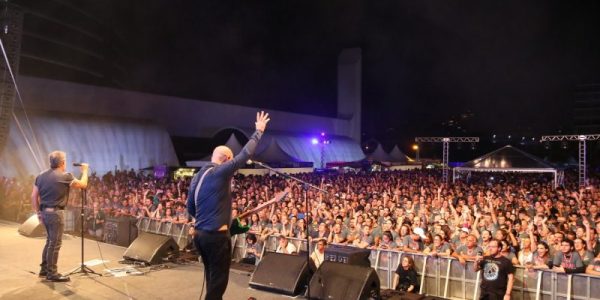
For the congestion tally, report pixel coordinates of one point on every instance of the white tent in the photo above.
(507, 159)
(398, 156)
(379, 155)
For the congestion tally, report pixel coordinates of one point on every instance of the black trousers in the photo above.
(491, 295)
(215, 250)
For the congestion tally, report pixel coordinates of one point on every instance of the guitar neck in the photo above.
(264, 205)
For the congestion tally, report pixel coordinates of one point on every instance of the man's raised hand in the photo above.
(262, 119)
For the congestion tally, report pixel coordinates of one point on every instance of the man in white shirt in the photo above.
(318, 255)
(285, 246)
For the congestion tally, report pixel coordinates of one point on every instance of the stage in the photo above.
(20, 259)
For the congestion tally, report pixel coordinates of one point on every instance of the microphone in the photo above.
(255, 162)
(77, 164)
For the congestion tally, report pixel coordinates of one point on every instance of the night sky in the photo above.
(504, 67)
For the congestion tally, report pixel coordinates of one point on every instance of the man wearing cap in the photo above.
(412, 242)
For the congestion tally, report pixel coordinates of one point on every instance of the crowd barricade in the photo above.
(72, 218)
(179, 232)
(445, 277)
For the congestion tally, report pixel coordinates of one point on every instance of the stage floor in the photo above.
(20, 259)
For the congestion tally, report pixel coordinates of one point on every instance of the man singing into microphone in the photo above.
(48, 199)
(209, 200)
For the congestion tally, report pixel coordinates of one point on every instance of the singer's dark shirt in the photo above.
(212, 209)
(53, 186)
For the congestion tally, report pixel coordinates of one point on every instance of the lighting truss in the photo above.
(582, 138)
(446, 146)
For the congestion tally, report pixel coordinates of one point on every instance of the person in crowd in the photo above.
(252, 250)
(568, 260)
(95, 220)
(541, 258)
(387, 241)
(318, 255)
(285, 246)
(439, 247)
(506, 251)
(594, 267)
(469, 251)
(498, 273)
(581, 248)
(406, 278)
(526, 249)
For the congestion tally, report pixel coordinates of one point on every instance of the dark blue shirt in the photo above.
(213, 208)
(53, 186)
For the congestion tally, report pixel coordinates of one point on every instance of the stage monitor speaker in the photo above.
(281, 273)
(32, 227)
(151, 248)
(344, 282)
(348, 255)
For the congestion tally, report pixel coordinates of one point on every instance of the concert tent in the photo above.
(233, 144)
(339, 149)
(507, 159)
(105, 143)
(398, 156)
(298, 148)
(379, 155)
(270, 152)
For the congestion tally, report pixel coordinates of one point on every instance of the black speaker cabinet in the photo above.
(344, 282)
(348, 255)
(281, 273)
(120, 231)
(32, 227)
(151, 248)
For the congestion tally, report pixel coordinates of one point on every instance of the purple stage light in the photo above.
(314, 141)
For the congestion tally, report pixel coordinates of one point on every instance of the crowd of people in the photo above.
(412, 211)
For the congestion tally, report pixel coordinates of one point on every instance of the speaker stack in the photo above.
(343, 275)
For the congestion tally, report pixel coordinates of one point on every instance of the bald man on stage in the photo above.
(209, 200)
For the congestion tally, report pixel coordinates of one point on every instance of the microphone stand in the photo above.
(305, 186)
(83, 269)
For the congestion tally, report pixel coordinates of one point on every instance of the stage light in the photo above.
(314, 141)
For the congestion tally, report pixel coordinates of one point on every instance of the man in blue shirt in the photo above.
(49, 199)
(210, 204)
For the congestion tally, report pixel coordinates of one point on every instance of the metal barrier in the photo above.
(446, 277)
(179, 232)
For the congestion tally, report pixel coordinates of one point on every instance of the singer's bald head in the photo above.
(221, 154)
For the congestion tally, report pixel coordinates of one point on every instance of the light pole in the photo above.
(416, 148)
(322, 141)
